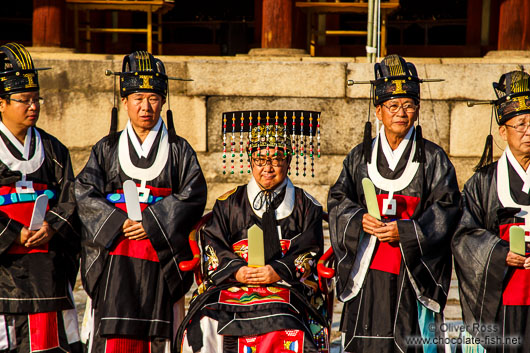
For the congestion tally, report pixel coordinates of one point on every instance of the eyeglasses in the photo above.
(275, 162)
(29, 102)
(407, 107)
(522, 127)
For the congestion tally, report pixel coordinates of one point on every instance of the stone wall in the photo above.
(79, 99)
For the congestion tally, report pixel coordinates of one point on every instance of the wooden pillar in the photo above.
(514, 25)
(474, 22)
(277, 24)
(48, 21)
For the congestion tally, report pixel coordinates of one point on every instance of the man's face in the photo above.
(395, 117)
(143, 109)
(519, 141)
(22, 114)
(266, 174)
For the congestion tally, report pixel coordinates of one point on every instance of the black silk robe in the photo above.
(223, 299)
(381, 298)
(494, 297)
(35, 280)
(133, 284)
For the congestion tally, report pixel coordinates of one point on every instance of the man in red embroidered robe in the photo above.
(130, 267)
(393, 275)
(494, 282)
(38, 266)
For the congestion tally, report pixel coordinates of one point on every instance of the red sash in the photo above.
(21, 212)
(127, 345)
(43, 330)
(517, 291)
(140, 249)
(387, 257)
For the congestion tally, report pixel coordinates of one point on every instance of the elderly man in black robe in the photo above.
(393, 274)
(276, 307)
(494, 282)
(130, 266)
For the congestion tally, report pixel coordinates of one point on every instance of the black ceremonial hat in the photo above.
(513, 98)
(142, 72)
(17, 71)
(395, 78)
(513, 95)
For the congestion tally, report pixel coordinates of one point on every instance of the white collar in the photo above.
(143, 174)
(393, 156)
(27, 166)
(23, 149)
(392, 185)
(143, 149)
(503, 189)
(285, 208)
(524, 175)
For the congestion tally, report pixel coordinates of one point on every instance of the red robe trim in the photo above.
(387, 257)
(44, 332)
(517, 291)
(21, 212)
(139, 249)
(127, 345)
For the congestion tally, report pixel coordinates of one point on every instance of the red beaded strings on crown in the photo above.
(233, 143)
(224, 143)
(295, 142)
(249, 150)
(267, 134)
(276, 135)
(311, 145)
(285, 134)
(318, 135)
(302, 142)
(259, 134)
(242, 119)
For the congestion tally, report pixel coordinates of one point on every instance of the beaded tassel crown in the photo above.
(278, 132)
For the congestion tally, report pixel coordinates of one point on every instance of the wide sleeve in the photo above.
(102, 221)
(425, 239)
(222, 261)
(305, 248)
(61, 215)
(169, 221)
(345, 222)
(479, 252)
(9, 231)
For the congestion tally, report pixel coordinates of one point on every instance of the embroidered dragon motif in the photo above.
(303, 264)
(213, 261)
